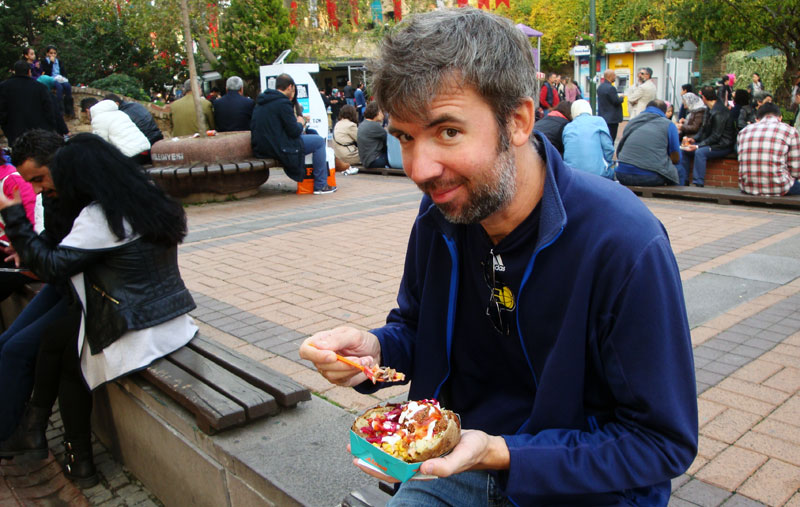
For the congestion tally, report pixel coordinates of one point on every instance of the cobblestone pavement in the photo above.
(268, 271)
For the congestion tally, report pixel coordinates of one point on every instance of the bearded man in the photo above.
(542, 304)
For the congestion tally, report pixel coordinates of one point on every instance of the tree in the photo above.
(617, 21)
(137, 37)
(253, 33)
(744, 24)
(18, 28)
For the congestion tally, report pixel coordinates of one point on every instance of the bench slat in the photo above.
(213, 411)
(722, 195)
(285, 390)
(256, 402)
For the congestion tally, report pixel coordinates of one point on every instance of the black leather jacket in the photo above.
(719, 129)
(131, 287)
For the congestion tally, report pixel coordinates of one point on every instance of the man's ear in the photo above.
(521, 122)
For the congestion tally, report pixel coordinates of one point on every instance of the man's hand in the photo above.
(475, 451)
(5, 202)
(360, 346)
(9, 254)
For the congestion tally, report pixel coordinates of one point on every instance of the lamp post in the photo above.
(592, 56)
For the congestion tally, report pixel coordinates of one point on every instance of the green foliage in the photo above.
(122, 84)
(788, 115)
(18, 28)
(253, 33)
(616, 21)
(742, 24)
(770, 69)
(140, 37)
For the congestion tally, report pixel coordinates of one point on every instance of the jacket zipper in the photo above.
(450, 305)
(104, 294)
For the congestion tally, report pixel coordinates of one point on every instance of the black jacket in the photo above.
(47, 67)
(275, 133)
(134, 286)
(552, 126)
(25, 104)
(719, 129)
(143, 120)
(609, 103)
(233, 112)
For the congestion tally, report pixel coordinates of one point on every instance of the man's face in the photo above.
(452, 155)
(52, 54)
(643, 76)
(38, 176)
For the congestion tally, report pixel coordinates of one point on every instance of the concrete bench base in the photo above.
(298, 457)
(213, 182)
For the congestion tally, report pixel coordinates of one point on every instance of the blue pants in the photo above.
(316, 145)
(474, 488)
(700, 158)
(64, 96)
(379, 162)
(643, 180)
(18, 348)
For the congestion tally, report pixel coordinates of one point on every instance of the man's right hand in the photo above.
(359, 346)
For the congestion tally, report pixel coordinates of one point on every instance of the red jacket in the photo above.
(546, 104)
(12, 181)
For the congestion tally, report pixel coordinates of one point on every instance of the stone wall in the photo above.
(160, 114)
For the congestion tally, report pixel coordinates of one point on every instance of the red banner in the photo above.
(293, 13)
(398, 10)
(498, 3)
(483, 4)
(354, 11)
(332, 19)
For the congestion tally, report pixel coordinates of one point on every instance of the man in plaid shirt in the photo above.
(769, 155)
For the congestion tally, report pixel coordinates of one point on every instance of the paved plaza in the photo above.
(268, 271)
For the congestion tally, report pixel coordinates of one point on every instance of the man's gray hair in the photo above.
(187, 85)
(234, 83)
(465, 47)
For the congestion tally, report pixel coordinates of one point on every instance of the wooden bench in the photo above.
(222, 388)
(383, 171)
(720, 195)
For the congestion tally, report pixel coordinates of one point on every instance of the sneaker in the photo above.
(325, 190)
(352, 170)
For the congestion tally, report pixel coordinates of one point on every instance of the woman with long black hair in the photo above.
(121, 260)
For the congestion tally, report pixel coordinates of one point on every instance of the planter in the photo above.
(199, 169)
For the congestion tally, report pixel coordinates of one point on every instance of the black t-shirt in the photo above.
(491, 384)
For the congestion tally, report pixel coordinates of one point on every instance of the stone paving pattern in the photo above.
(267, 272)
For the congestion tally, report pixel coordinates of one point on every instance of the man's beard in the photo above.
(485, 197)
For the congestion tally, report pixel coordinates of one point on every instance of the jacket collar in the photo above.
(553, 217)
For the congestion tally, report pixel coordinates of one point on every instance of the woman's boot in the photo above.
(29, 439)
(78, 462)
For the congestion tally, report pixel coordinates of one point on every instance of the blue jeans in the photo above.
(700, 158)
(474, 488)
(18, 348)
(794, 189)
(316, 145)
(379, 162)
(64, 96)
(643, 180)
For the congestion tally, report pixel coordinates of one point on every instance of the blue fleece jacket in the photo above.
(603, 326)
